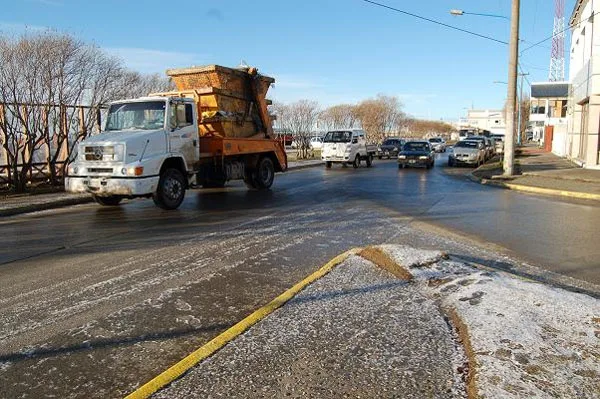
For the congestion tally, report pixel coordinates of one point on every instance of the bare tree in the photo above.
(299, 119)
(419, 128)
(52, 86)
(379, 116)
(338, 117)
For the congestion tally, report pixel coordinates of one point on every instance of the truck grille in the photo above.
(99, 153)
(100, 170)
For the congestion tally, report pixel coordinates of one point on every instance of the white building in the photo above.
(583, 110)
(490, 120)
(548, 117)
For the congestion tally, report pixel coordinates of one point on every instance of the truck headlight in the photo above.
(119, 152)
(73, 170)
(401, 156)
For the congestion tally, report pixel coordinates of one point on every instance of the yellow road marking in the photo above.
(208, 349)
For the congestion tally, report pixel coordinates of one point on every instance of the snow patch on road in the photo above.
(529, 339)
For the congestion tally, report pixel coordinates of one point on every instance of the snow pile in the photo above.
(528, 339)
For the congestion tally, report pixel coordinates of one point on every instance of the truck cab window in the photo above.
(183, 114)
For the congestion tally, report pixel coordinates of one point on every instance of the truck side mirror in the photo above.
(354, 140)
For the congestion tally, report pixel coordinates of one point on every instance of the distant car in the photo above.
(416, 153)
(498, 143)
(438, 144)
(287, 139)
(470, 152)
(390, 148)
(487, 144)
(316, 143)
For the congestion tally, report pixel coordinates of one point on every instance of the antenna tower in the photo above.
(557, 57)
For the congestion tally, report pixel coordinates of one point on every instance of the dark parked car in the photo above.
(416, 153)
(390, 148)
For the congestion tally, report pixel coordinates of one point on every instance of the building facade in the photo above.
(583, 110)
(490, 120)
(548, 121)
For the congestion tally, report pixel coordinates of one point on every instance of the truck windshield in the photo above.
(136, 116)
(338, 137)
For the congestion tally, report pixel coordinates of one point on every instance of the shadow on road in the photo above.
(109, 343)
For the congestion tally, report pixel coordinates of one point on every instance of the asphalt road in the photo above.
(96, 301)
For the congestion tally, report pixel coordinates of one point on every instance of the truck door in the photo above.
(183, 134)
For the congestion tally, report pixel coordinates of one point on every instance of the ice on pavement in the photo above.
(529, 339)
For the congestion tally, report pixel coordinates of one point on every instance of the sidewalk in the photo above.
(394, 321)
(542, 172)
(26, 203)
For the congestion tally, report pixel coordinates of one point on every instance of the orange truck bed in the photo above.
(233, 117)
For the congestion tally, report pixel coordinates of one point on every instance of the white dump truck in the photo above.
(215, 128)
(347, 146)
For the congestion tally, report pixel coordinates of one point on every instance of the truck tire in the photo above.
(369, 160)
(249, 179)
(356, 162)
(112, 200)
(265, 173)
(171, 189)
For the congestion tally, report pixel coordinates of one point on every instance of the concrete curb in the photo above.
(310, 165)
(45, 206)
(535, 190)
(55, 204)
(214, 345)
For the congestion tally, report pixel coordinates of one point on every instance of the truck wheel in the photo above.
(265, 173)
(249, 179)
(328, 165)
(369, 160)
(356, 162)
(171, 189)
(112, 200)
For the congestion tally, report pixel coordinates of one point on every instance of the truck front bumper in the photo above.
(335, 158)
(106, 186)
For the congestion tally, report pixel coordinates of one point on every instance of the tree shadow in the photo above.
(109, 343)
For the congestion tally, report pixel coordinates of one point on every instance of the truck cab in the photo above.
(346, 146)
(148, 149)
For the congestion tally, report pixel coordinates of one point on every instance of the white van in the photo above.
(347, 146)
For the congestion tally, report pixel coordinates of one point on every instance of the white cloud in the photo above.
(156, 61)
(12, 27)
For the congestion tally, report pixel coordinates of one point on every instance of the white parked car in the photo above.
(347, 146)
(438, 144)
(316, 143)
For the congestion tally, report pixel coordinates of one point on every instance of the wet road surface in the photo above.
(96, 301)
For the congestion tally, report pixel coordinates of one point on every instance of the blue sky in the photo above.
(332, 51)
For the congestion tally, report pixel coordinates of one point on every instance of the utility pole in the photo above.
(520, 105)
(509, 139)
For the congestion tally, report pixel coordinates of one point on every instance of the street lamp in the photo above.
(462, 12)
(513, 56)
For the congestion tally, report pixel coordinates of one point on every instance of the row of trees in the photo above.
(379, 117)
(52, 91)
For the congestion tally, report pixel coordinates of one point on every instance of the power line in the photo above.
(556, 34)
(436, 22)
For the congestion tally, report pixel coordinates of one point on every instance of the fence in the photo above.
(38, 140)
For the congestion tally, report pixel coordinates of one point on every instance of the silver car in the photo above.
(470, 152)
